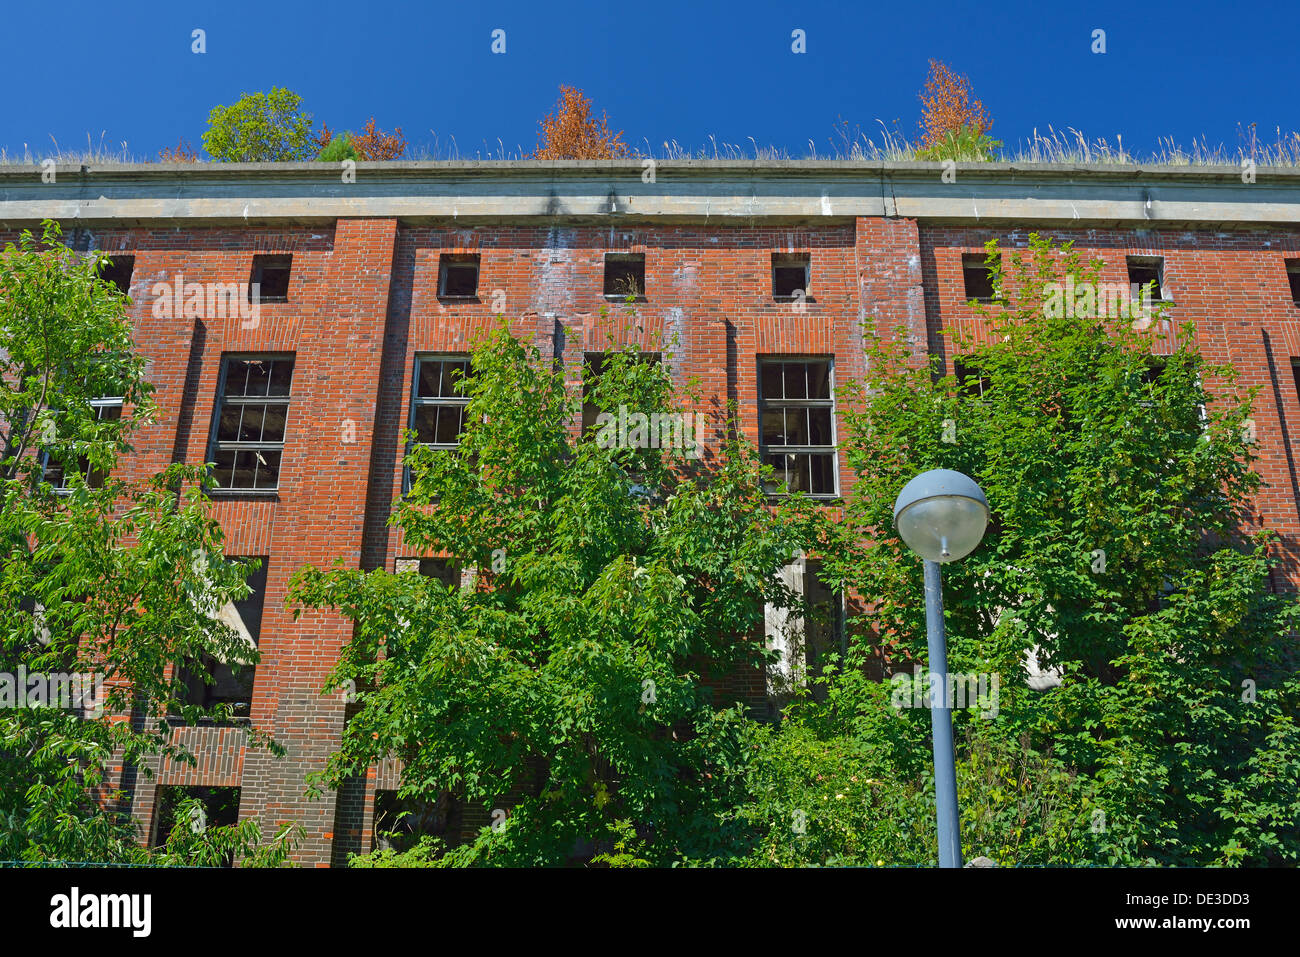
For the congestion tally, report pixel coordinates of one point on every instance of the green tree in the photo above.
(102, 578)
(338, 149)
(571, 685)
(260, 128)
(1120, 551)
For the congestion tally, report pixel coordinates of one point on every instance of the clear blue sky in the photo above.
(664, 69)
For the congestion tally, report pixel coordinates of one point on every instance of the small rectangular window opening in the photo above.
(790, 275)
(270, 278)
(976, 277)
(458, 276)
(1143, 272)
(1293, 279)
(970, 379)
(624, 275)
(118, 271)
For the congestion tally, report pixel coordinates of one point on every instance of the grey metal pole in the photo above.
(945, 768)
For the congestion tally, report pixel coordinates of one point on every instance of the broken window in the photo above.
(209, 681)
(1147, 272)
(270, 282)
(1151, 373)
(1293, 279)
(624, 275)
(445, 570)
(977, 277)
(458, 276)
(803, 641)
(797, 424)
(252, 413)
(106, 410)
(595, 367)
(118, 271)
(971, 380)
(790, 275)
(401, 822)
(218, 807)
(438, 408)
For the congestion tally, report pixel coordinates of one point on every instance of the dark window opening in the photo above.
(210, 681)
(977, 277)
(219, 807)
(624, 275)
(251, 420)
(118, 271)
(1293, 279)
(971, 380)
(270, 279)
(797, 424)
(458, 276)
(790, 276)
(824, 627)
(1147, 272)
(595, 367)
(401, 822)
(444, 570)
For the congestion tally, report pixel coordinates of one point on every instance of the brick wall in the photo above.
(363, 302)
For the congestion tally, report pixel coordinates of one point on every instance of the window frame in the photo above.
(802, 261)
(1292, 267)
(260, 262)
(447, 261)
(829, 403)
(103, 402)
(1162, 293)
(968, 262)
(206, 665)
(416, 400)
(215, 444)
(622, 257)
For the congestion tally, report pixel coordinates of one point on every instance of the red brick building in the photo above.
(370, 285)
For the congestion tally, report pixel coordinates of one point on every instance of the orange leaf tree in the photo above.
(571, 132)
(369, 144)
(949, 105)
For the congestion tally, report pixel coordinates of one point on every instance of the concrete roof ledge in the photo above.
(612, 191)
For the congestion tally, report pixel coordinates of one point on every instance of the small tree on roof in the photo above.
(571, 132)
(948, 105)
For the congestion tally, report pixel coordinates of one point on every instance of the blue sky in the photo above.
(663, 70)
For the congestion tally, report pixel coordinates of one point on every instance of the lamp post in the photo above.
(941, 515)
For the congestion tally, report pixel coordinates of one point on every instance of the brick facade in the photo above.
(363, 302)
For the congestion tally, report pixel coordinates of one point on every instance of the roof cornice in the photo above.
(614, 192)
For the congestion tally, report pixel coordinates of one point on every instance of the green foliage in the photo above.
(110, 580)
(822, 798)
(259, 128)
(969, 144)
(340, 148)
(1120, 550)
(569, 685)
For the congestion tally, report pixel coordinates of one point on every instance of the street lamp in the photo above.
(941, 515)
